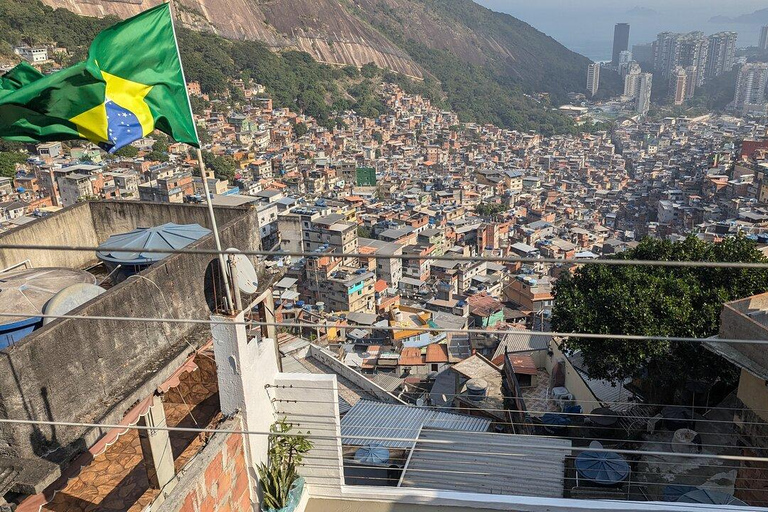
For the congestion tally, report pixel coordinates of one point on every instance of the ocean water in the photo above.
(586, 26)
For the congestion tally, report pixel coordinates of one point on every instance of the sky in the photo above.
(586, 26)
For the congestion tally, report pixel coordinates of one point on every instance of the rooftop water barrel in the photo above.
(127, 250)
(26, 292)
(477, 389)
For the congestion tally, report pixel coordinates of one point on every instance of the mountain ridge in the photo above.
(356, 32)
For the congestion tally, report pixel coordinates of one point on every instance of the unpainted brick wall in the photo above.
(216, 481)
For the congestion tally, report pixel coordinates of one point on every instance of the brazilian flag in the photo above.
(131, 84)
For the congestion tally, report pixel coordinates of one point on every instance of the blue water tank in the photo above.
(126, 250)
(26, 292)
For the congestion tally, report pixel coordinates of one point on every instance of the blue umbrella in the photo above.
(604, 468)
(709, 497)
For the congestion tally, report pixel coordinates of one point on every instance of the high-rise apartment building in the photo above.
(643, 53)
(620, 42)
(691, 79)
(678, 85)
(593, 78)
(645, 83)
(632, 80)
(763, 38)
(625, 58)
(721, 54)
(671, 51)
(750, 96)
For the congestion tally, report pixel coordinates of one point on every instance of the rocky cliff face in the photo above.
(394, 34)
(325, 29)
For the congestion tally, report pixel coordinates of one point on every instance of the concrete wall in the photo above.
(216, 480)
(311, 404)
(110, 217)
(735, 324)
(573, 381)
(72, 226)
(353, 376)
(92, 371)
(753, 393)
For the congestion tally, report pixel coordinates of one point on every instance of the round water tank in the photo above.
(128, 250)
(684, 441)
(477, 389)
(320, 306)
(26, 292)
(70, 298)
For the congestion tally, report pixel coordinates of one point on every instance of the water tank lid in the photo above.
(133, 243)
(70, 298)
(25, 292)
(477, 385)
(372, 455)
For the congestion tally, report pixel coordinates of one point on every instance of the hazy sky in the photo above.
(586, 26)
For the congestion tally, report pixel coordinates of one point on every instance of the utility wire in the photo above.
(445, 257)
(629, 337)
(367, 438)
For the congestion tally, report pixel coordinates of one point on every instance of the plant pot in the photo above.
(294, 497)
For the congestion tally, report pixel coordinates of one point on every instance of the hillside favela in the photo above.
(383, 256)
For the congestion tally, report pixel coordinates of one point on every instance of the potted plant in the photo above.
(280, 485)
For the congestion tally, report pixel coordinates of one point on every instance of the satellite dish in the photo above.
(245, 274)
(70, 298)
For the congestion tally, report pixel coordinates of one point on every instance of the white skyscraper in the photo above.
(593, 78)
(632, 81)
(625, 58)
(643, 104)
(764, 38)
(751, 88)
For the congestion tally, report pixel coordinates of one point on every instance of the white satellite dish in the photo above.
(245, 275)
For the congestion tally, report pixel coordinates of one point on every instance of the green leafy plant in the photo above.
(286, 451)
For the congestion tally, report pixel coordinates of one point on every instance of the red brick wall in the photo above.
(216, 480)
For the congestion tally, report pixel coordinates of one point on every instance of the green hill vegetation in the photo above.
(293, 79)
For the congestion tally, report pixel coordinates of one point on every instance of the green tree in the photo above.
(370, 70)
(300, 129)
(490, 209)
(157, 156)
(8, 161)
(127, 152)
(223, 167)
(656, 301)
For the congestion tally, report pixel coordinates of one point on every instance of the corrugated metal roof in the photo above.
(522, 341)
(376, 422)
(488, 463)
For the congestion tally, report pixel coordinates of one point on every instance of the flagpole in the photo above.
(222, 262)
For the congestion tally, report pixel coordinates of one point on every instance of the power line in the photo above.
(628, 337)
(367, 438)
(470, 259)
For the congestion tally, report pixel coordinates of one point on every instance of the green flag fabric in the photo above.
(131, 84)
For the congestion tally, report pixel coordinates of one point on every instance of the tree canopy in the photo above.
(656, 301)
(8, 161)
(223, 167)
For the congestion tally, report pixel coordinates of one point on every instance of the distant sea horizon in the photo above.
(586, 27)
